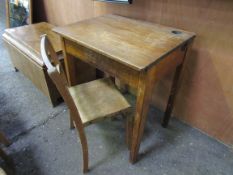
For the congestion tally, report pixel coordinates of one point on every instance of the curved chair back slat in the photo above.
(57, 74)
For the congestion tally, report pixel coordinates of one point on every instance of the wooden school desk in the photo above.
(136, 52)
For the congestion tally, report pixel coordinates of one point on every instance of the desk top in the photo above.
(28, 38)
(135, 43)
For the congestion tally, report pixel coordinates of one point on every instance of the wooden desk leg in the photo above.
(70, 70)
(142, 106)
(173, 92)
(70, 67)
(172, 97)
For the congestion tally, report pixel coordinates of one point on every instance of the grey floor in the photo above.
(43, 144)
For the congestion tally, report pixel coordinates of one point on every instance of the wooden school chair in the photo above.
(89, 102)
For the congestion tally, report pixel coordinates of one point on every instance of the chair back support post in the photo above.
(57, 74)
(56, 71)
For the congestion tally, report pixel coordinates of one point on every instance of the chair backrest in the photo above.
(57, 74)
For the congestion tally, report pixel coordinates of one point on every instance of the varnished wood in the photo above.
(75, 66)
(23, 44)
(27, 39)
(148, 79)
(97, 60)
(59, 78)
(210, 59)
(72, 126)
(7, 14)
(136, 52)
(145, 86)
(31, 11)
(142, 43)
(124, 88)
(95, 106)
(89, 102)
(69, 65)
(173, 93)
(205, 97)
(129, 128)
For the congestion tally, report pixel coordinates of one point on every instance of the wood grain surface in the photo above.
(27, 38)
(134, 43)
(86, 105)
(206, 96)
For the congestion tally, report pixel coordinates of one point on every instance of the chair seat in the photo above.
(98, 99)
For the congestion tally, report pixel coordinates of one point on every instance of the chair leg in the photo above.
(4, 140)
(85, 153)
(71, 121)
(129, 129)
(83, 140)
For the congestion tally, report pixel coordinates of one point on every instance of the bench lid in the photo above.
(27, 39)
